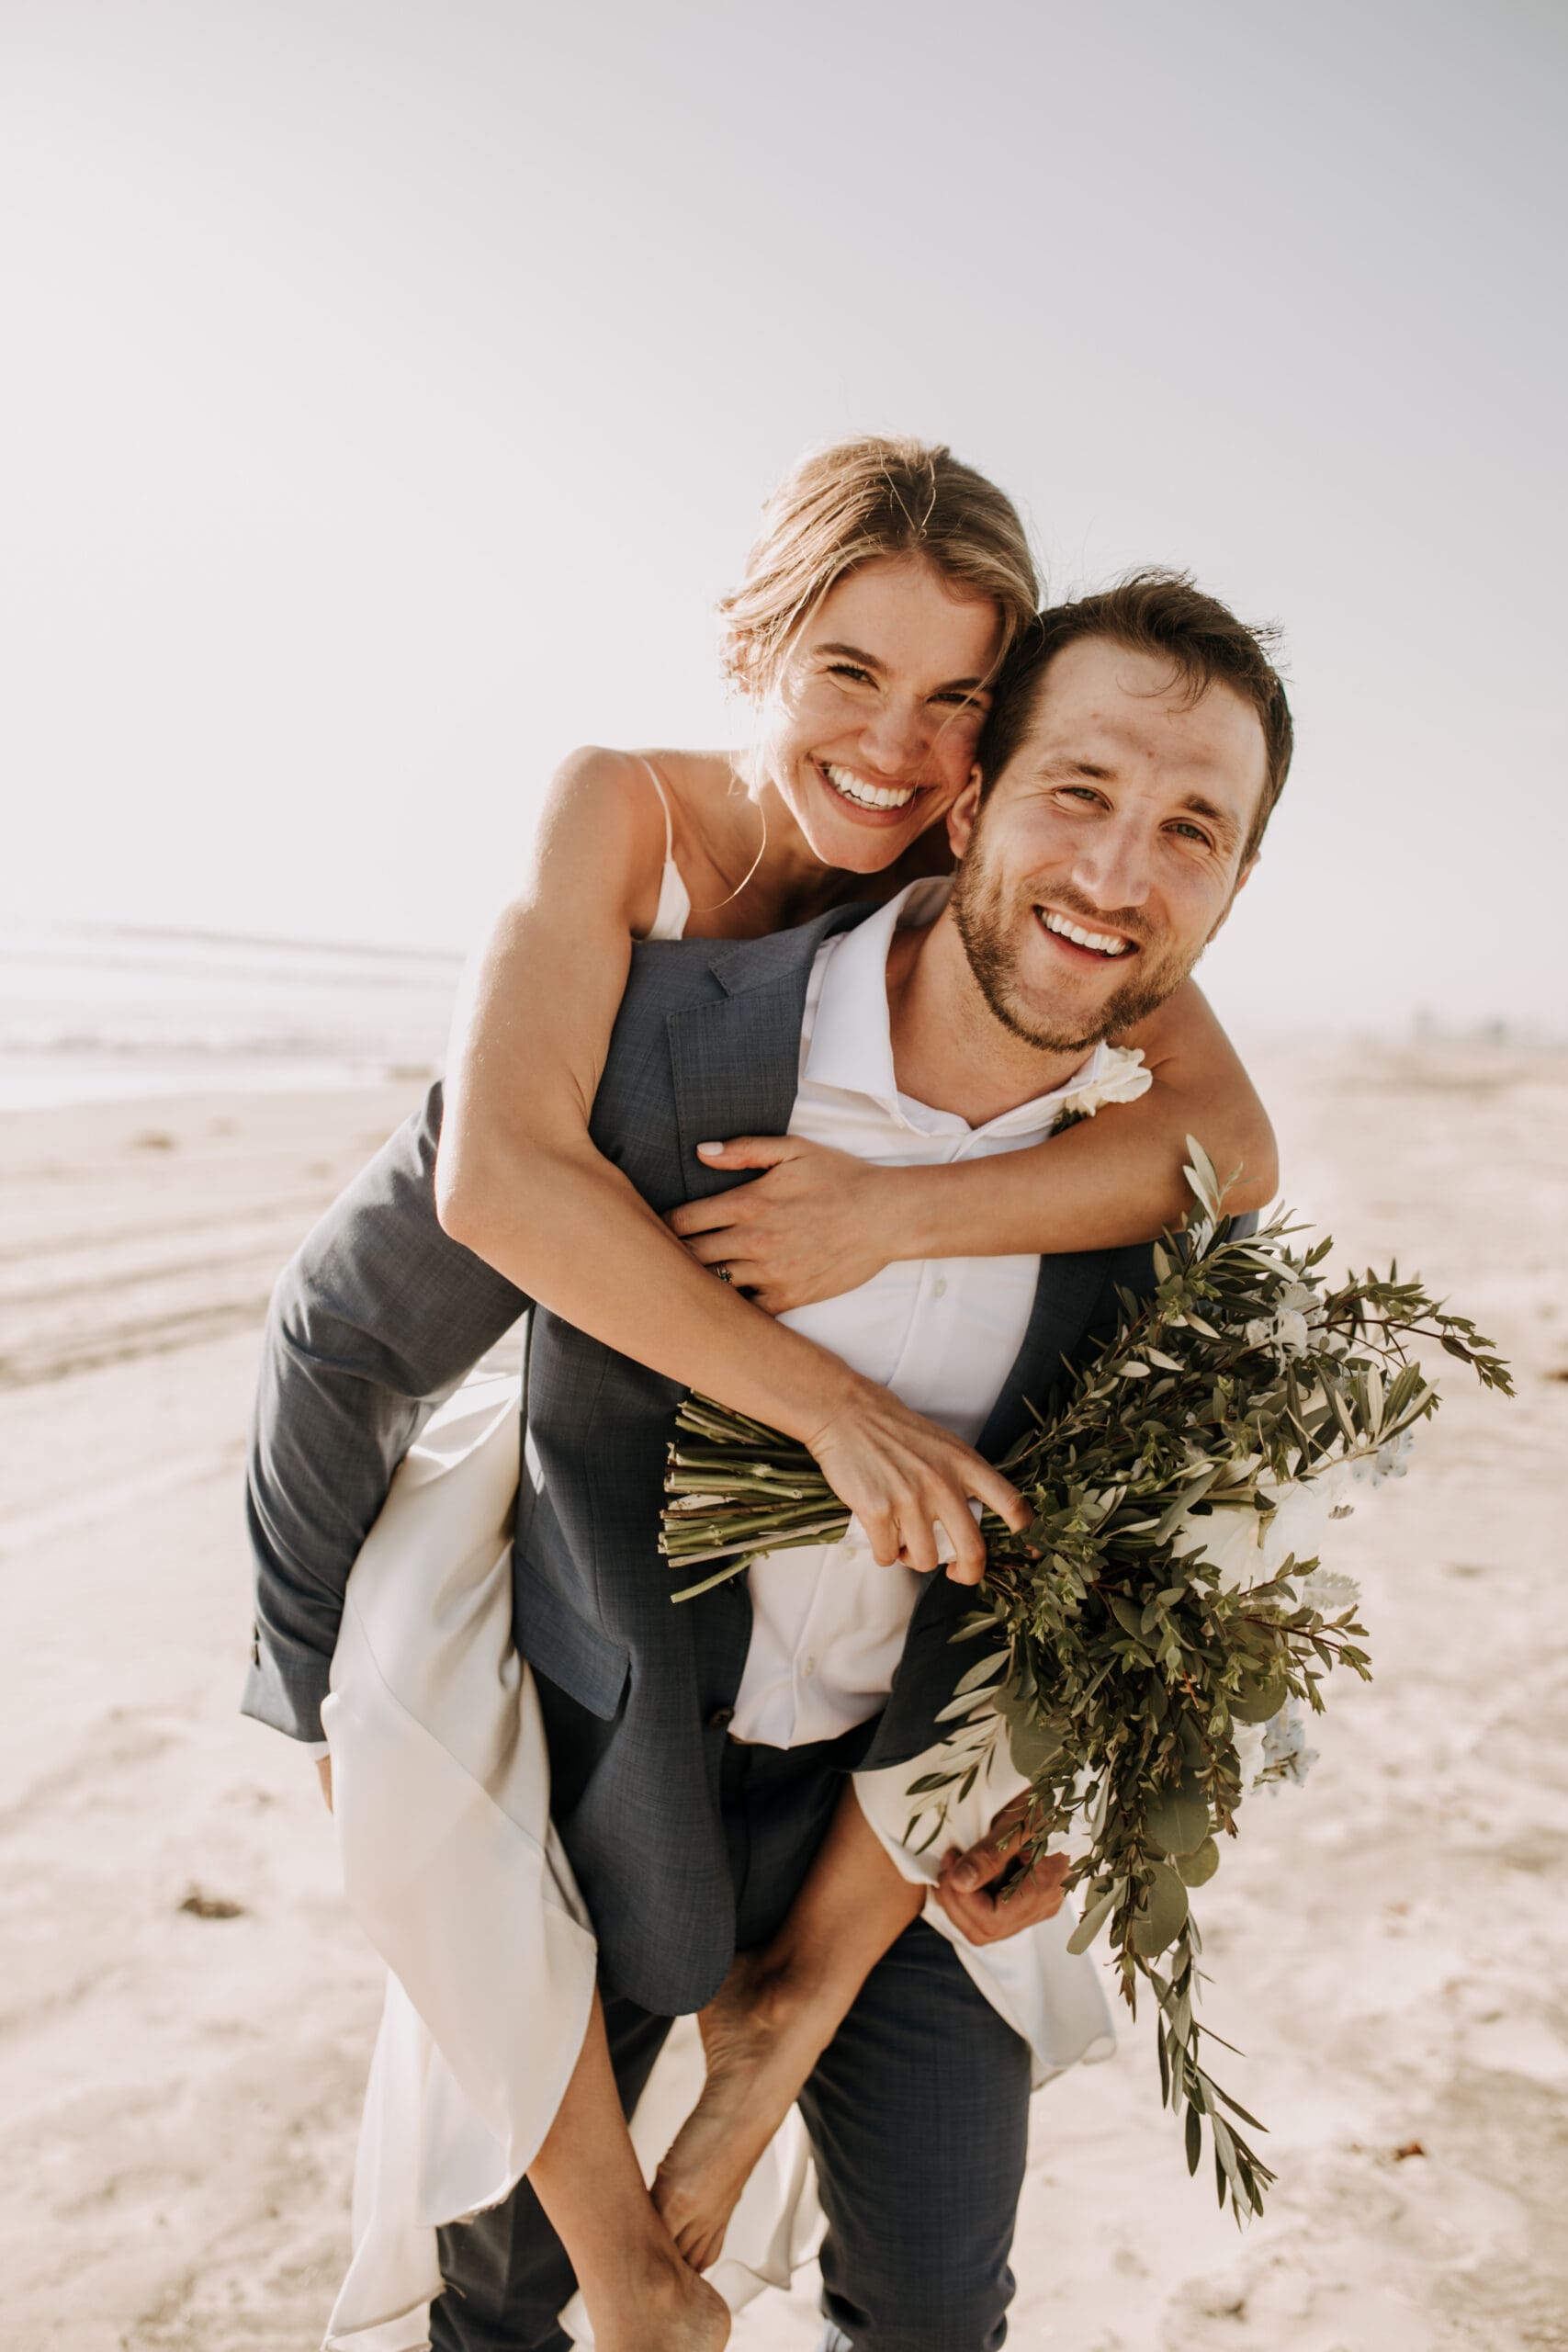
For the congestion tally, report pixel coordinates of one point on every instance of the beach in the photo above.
(187, 2009)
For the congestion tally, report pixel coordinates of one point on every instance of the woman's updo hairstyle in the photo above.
(847, 505)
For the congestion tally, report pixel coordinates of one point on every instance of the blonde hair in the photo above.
(845, 505)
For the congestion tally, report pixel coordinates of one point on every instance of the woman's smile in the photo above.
(881, 801)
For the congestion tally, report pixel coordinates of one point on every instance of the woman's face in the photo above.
(869, 729)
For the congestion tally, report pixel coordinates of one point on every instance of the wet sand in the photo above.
(186, 2010)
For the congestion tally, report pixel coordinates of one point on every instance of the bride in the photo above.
(878, 605)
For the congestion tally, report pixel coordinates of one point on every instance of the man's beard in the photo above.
(981, 911)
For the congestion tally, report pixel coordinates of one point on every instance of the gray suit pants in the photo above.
(918, 2113)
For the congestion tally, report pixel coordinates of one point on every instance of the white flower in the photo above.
(1232, 1540)
(1122, 1078)
(1285, 1331)
(1327, 1591)
(1393, 1457)
(1248, 1738)
(1388, 1462)
(1248, 1547)
(1286, 1756)
(1273, 1752)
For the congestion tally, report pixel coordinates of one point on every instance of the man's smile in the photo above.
(1075, 939)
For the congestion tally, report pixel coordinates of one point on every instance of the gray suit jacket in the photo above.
(379, 1315)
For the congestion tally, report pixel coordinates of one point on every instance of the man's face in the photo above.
(1106, 854)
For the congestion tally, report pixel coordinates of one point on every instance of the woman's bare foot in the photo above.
(763, 2033)
(672, 2310)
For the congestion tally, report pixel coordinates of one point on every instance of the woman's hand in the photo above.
(818, 1224)
(904, 1477)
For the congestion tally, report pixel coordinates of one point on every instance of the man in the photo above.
(1133, 756)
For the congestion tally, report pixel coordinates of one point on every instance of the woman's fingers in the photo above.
(711, 1248)
(991, 1490)
(882, 1533)
(964, 1542)
(918, 1544)
(752, 1151)
(704, 1216)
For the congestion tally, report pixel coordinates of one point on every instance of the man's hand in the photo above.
(902, 1476)
(324, 1774)
(818, 1224)
(983, 1912)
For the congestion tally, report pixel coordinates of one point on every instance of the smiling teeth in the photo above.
(868, 796)
(1098, 940)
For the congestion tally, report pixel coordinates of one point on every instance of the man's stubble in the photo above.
(987, 924)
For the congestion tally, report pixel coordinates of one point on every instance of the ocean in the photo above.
(93, 1011)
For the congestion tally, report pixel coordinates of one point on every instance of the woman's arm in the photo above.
(818, 1223)
(520, 1183)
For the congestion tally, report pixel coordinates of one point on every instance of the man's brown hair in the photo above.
(1162, 613)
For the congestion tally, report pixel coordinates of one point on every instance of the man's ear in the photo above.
(1242, 879)
(962, 815)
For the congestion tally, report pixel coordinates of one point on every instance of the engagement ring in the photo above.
(722, 1270)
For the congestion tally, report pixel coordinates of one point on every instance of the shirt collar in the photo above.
(850, 1045)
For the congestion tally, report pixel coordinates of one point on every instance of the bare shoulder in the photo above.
(608, 788)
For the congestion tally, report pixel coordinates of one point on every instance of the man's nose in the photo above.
(1114, 866)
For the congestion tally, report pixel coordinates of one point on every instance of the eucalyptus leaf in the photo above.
(1177, 1819)
(1198, 1867)
(1260, 1698)
(1159, 1917)
(1093, 1919)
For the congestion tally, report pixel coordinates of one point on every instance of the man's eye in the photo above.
(848, 670)
(1192, 834)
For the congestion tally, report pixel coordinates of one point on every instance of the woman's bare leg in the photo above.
(771, 2020)
(641, 2296)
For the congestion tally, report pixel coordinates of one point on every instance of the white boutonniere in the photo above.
(1122, 1078)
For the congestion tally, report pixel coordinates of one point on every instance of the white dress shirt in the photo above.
(942, 1333)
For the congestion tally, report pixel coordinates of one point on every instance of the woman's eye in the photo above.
(848, 670)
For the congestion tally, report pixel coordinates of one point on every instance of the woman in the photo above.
(881, 599)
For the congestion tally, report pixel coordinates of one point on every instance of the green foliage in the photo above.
(1118, 1658)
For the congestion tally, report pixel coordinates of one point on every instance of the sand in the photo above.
(187, 2009)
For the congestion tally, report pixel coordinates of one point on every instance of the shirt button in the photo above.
(721, 1718)
(939, 1288)
(808, 1666)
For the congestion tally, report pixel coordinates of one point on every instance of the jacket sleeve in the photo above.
(375, 1320)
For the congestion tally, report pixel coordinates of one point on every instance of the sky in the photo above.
(392, 386)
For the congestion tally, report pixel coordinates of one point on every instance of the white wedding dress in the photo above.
(453, 1868)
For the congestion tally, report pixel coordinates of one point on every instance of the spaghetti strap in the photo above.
(674, 901)
(664, 804)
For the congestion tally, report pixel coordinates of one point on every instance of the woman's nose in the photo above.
(896, 739)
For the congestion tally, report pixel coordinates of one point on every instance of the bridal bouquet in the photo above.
(1149, 1642)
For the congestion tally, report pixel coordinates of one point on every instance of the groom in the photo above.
(1131, 759)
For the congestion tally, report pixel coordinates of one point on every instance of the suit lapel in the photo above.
(735, 1063)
